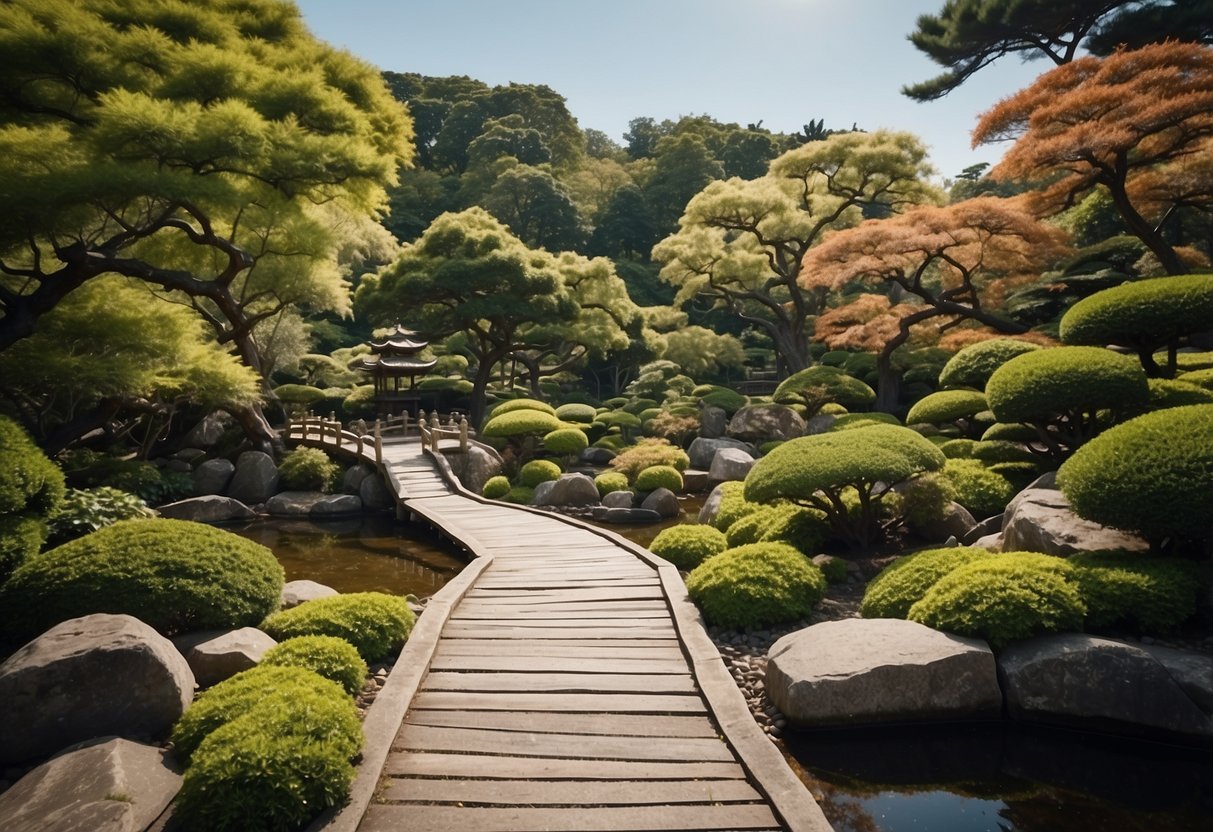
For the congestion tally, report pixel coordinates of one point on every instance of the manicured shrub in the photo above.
(522, 404)
(659, 476)
(537, 471)
(576, 412)
(174, 575)
(609, 481)
(1152, 594)
(649, 452)
(980, 490)
(376, 624)
(994, 451)
(1201, 378)
(733, 505)
(520, 495)
(925, 499)
(31, 488)
(756, 586)
(85, 510)
(850, 421)
(804, 528)
(566, 441)
(946, 406)
(521, 423)
(817, 386)
(299, 395)
(730, 401)
(496, 487)
(1003, 598)
(1010, 432)
(753, 526)
(1152, 475)
(308, 469)
(814, 471)
(688, 545)
(333, 658)
(973, 365)
(904, 582)
(958, 448)
(360, 403)
(1165, 392)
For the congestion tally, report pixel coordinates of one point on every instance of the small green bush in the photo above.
(522, 404)
(750, 528)
(733, 505)
(520, 423)
(173, 575)
(360, 403)
(991, 452)
(659, 476)
(566, 441)
(308, 469)
(958, 448)
(537, 471)
(1155, 595)
(891, 593)
(973, 365)
(851, 421)
(333, 658)
(804, 528)
(756, 586)
(1043, 384)
(300, 395)
(688, 545)
(520, 495)
(31, 488)
(649, 452)
(85, 510)
(1003, 598)
(946, 406)
(1010, 432)
(822, 385)
(496, 487)
(376, 624)
(1201, 378)
(610, 481)
(980, 490)
(575, 412)
(925, 499)
(730, 401)
(1165, 392)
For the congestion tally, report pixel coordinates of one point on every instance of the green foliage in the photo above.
(977, 488)
(21, 536)
(1165, 392)
(1010, 432)
(523, 404)
(298, 394)
(992, 452)
(360, 403)
(751, 527)
(574, 412)
(850, 421)
(537, 471)
(946, 406)
(817, 386)
(1201, 378)
(733, 505)
(649, 452)
(804, 528)
(973, 365)
(904, 582)
(730, 401)
(958, 448)
(376, 624)
(925, 499)
(520, 495)
(333, 658)
(174, 575)
(309, 469)
(1152, 475)
(31, 488)
(619, 419)
(755, 586)
(86, 510)
(659, 476)
(520, 423)
(1003, 598)
(496, 487)
(566, 441)
(1152, 594)
(86, 469)
(688, 545)
(610, 481)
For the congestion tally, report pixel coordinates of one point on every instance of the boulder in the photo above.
(112, 785)
(764, 422)
(255, 479)
(664, 502)
(695, 481)
(991, 525)
(711, 507)
(208, 431)
(993, 542)
(375, 494)
(730, 464)
(337, 505)
(352, 479)
(574, 490)
(189, 454)
(1193, 672)
(619, 499)
(1079, 679)
(543, 493)
(713, 422)
(476, 467)
(295, 593)
(955, 522)
(625, 516)
(597, 456)
(209, 509)
(177, 466)
(293, 503)
(703, 450)
(213, 476)
(820, 423)
(225, 654)
(880, 670)
(88, 677)
(1041, 520)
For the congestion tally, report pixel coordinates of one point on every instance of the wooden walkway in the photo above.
(562, 682)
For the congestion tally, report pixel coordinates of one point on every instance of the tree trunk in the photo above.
(1143, 230)
(888, 383)
(257, 428)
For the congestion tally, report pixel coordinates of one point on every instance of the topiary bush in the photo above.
(688, 545)
(515, 423)
(946, 406)
(904, 582)
(537, 471)
(977, 488)
(1004, 598)
(1152, 475)
(309, 469)
(298, 395)
(85, 510)
(174, 575)
(496, 487)
(520, 495)
(733, 505)
(1166, 392)
(1010, 432)
(566, 442)
(958, 448)
(659, 476)
(730, 401)
(850, 421)
(610, 481)
(376, 624)
(31, 488)
(649, 452)
(973, 365)
(756, 586)
(751, 528)
(522, 404)
(991, 452)
(817, 386)
(331, 657)
(804, 528)
(576, 412)
(1151, 594)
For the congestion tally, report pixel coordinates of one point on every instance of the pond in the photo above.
(374, 553)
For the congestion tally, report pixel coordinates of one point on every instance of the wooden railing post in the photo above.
(378, 445)
(463, 434)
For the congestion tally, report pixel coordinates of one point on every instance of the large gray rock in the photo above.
(208, 431)
(210, 509)
(955, 522)
(713, 422)
(375, 494)
(703, 450)
(763, 422)
(1193, 672)
(711, 506)
(730, 464)
(1041, 520)
(113, 785)
(819, 423)
(225, 654)
(295, 593)
(991, 525)
(255, 479)
(880, 670)
(619, 499)
(664, 502)
(293, 503)
(695, 481)
(574, 490)
(88, 677)
(542, 494)
(213, 476)
(626, 516)
(337, 505)
(353, 477)
(476, 467)
(1075, 678)
(597, 456)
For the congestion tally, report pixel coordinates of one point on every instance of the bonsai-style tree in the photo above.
(972, 365)
(820, 385)
(950, 407)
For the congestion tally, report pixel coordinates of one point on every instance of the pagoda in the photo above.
(396, 357)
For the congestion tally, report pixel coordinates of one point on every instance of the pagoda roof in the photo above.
(400, 340)
(397, 364)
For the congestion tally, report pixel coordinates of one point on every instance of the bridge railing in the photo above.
(330, 431)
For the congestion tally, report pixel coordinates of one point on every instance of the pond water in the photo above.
(374, 553)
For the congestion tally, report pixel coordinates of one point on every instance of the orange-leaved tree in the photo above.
(945, 262)
(1139, 123)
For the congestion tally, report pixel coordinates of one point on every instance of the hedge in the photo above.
(1152, 594)
(331, 657)
(688, 545)
(1040, 385)
(973, 365)
(904, 582)
(376, 624)
(756, 586)
(537, 471)
(946, 406)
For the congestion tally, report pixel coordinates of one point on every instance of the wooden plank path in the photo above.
(561, 682)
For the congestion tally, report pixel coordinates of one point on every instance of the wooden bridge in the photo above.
(563, 681)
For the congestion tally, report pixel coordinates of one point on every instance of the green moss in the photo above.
(980, 490)
(331, 657)
(566, 441)
(946, 406)
(659, 476)
(537, 471)
(576, 412)
(521, 422)
(1154, 595)
(1042, 384)
(522, 404)
(756, 586)
(688, 545)
(610, 481)
(308, 469)
(900, 585)
(496, 487)
(1143, 314)
(376, 624)
(973, 365)
(826, 384)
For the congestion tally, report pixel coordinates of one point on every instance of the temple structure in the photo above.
(395, 358)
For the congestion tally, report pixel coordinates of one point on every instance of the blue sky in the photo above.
(782, 61)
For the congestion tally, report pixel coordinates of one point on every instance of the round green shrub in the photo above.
(1152, 475)
(946, 406)
(174, 575)
(1041, 384)
(659, 476)
(619, 419)
(1201, 378)
(613, 442)
(520, 423)
(298, 394)
(973, 365)
(537, 471)
(649, 452)
(751, 528)
(333, 658)
(31, 488)
(958, 448)
(566, 441)
(824, 384)
(308, 469)
(520, 495)
(1010, 432)
(610, 481)
(576, 412)
(851, 421)
(1143, 314)
(804, 528)
(730, 401)
(980, 490)
(904, 582)
(1153, 594)
(688, 545)
(496, 487)
(832, 409)
(1003, 598)
(376, 624)
(1166, 392)
(994, 451)
(756, 586)
(85, 510)
(733, 505)
(522, 404)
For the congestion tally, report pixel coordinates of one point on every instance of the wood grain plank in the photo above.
(432, 739)
(537, 682)
(497, 614)
(560, 664)
(600, 819)
(615, 725)
(567, 702)
(408, 764)
(506, 632)
(500, 645)
(493, 648)
(568, 793)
